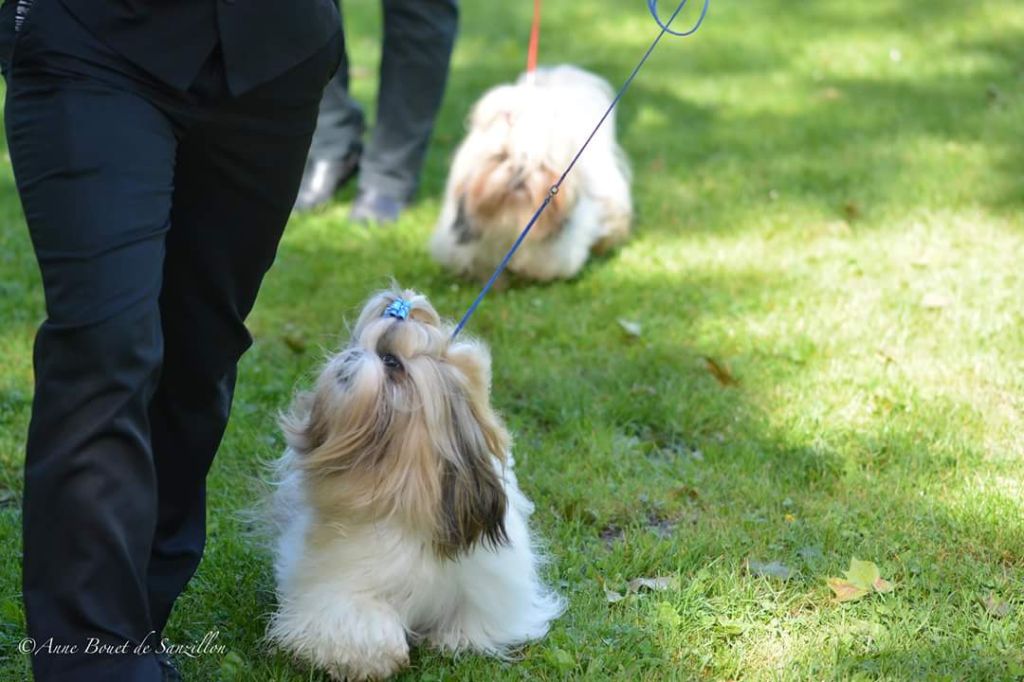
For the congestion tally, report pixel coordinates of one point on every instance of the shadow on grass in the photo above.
(640, 461)
(607, 429)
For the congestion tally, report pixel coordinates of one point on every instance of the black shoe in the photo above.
(322, 179)
(167, 668)
(373, 207)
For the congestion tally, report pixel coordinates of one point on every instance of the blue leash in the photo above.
(652, 6)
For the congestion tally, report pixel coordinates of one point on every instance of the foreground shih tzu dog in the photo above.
(399, 515)
(521, 138)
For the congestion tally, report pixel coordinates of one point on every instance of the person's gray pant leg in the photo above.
(340, 123)
(418, 39)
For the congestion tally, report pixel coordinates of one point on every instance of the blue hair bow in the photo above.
(398, 309)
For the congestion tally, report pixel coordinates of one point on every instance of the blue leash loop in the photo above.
(652, 6)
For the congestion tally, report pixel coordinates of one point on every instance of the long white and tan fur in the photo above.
(399, 516)
(521, 138)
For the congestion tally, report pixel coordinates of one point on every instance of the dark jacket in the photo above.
(171, 39)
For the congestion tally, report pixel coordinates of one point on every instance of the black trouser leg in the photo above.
(238, 172)
(154, 216)
(188, 416)
(418, 39)
(94, 170)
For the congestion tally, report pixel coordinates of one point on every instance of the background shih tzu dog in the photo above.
(521, 138)
(398, 512)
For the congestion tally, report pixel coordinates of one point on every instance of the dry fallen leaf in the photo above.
(862, 579)
(862, 573)
(637, 585)
(294, 339)
(719, 371)
(663, 582)
(295, 344)
(631, 328)
(612, 596)
(996, 607)
(845, 590)
(882, 586)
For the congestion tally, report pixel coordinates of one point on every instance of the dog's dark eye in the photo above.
(390, 361)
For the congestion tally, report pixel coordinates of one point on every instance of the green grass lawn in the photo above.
(829, 210)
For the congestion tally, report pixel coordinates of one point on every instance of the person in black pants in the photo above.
(157, 148)
(418, 39)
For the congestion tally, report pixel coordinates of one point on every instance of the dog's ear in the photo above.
(473, 499)
(462, 226)
(562, 204)
(303, 425)
(487, 192)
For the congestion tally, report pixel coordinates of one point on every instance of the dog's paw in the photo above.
(375, 651)
(378, 667)
(352, 640)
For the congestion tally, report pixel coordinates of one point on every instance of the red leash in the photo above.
(531, 52)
